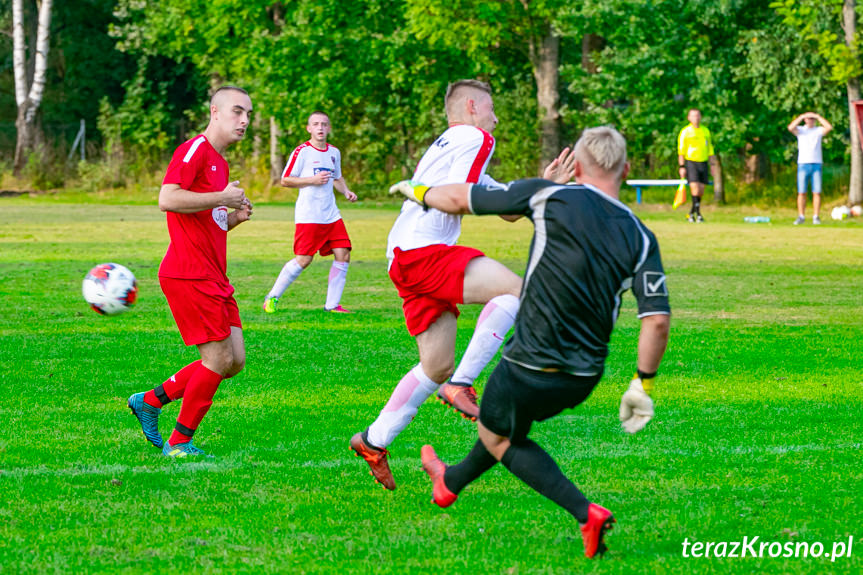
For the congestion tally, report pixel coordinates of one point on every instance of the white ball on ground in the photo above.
(857, 211)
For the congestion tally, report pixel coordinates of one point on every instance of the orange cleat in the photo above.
(599, 521)
(441, 495)
(377, 460)
(461, 398)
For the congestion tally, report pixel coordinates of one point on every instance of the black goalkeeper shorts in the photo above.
(516, 396)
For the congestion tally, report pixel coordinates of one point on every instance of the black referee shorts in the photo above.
(515, 397)
(698, 172)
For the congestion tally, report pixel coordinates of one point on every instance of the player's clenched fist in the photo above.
(233, 196)
(414, 191)
(636, 407)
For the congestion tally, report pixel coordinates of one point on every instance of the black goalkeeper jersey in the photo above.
(587, 249)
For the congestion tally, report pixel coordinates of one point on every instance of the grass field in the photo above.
(757, 433)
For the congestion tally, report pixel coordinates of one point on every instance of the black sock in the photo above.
(696, 205)
(477, 462)
(530, 463)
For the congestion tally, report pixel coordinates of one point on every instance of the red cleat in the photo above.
(338, 309)
(441, 495)
(377, 460)
(462, 398)
(599, 521)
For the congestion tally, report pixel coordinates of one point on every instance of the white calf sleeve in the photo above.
(494, 322)
(289, 273)
(336, 284)
(414, 388)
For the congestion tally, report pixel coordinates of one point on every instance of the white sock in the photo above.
(414, 388)
(494, 322)
(336, 284)
(289, 273)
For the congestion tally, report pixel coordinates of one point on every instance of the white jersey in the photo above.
(460, 155)
(809, 144)
(315, 204)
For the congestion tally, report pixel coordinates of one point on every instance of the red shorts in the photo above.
(203, 309)
(322, 238)
(430, 280)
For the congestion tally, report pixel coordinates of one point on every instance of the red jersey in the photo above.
(198, 248)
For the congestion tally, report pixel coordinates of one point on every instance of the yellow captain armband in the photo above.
(420, 192)
(646, 380)
(647, 384)
(414, 191)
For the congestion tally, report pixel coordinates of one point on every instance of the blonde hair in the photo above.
(603, 149)
(459, 91)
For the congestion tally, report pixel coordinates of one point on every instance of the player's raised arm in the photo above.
(173, 198)
(792, 127)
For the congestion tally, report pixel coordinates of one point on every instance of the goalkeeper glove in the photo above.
(636, 407)
(412, 190)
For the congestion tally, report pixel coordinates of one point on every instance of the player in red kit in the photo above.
(197, 196)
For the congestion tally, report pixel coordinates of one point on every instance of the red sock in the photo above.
(173, 388)
(198, 398)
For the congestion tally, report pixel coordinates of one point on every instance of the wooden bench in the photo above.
(638, 184)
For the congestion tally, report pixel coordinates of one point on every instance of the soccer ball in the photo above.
(110, 289)
(840, 213)
(857, 211)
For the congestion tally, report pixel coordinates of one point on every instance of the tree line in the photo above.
(140, 72)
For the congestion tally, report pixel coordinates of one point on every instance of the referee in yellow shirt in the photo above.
(694, 150)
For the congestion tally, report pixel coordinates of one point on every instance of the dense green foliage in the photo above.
(756, 434)
(139, 71)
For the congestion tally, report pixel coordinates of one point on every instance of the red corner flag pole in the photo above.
(858, 109)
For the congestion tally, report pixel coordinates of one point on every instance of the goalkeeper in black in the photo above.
(588, 248)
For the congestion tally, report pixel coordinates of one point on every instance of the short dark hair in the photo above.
(225, 89)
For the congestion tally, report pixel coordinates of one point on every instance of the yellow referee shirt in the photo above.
(695, 144)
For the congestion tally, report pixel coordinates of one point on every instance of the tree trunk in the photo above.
(28, 97)
(754, 165)
(277, 160)
(590, 44)
(718, 182)
(546, 72)
(26, 136)
(855, 184)
(257, 144)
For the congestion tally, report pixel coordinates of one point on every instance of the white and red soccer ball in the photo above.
(110, 289)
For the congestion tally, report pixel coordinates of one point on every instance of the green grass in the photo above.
(757, 430)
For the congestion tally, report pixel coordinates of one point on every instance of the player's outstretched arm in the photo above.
(636, 407)
(451, 198)
(173, 198)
